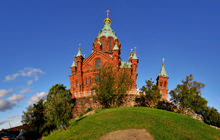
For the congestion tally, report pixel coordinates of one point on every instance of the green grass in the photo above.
(163, 125)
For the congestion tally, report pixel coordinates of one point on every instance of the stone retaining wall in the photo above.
(83, 103)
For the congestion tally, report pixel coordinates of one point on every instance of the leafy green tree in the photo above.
(59, 106)
(188, 95)
(211, 116)
(150, 94)
(111, 86)
(35, 120)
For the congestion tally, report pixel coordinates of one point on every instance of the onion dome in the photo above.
(107, 30)
(163, 72)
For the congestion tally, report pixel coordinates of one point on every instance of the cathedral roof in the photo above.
(107, 30)
(163, 72)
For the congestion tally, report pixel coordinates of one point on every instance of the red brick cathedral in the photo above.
(106, 49)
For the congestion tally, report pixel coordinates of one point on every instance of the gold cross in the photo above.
(107, 12)
(131, 50)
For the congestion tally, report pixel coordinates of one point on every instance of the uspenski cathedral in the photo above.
(106, 48)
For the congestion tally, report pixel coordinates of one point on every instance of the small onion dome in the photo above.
(135, 56)
(79, 52)
(74, 63)
(131, 54)
(107, 19)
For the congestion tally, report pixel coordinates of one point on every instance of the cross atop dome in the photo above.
(107, 30)
(107, 19)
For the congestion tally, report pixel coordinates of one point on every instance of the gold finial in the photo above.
(79, 47)
(163, 61)
(131, 54)
(134, 49)
(74, 60)
(107, 13)
(98, 36)
(107, 19)
(84, 56)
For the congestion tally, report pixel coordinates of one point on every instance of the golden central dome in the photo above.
(107, 19)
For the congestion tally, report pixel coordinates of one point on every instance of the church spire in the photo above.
(79, 52)
(163, 72)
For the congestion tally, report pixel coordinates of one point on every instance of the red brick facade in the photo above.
(106, 49)
(162, 83)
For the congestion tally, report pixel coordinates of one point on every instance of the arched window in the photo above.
(86, 81)
(110, 45)
(103, 45)
(161, 83)
(76, 83)
(165, 84)
(97, 64)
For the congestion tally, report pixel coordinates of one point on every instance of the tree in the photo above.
(188, 95)
(211, 116)
(111, 86)
(35, 120)
(150, 94)
(59, 106)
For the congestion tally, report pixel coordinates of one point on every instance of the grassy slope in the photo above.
(161, 124)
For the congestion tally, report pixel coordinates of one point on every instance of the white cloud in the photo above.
(37, 97)
(11, 77)
(10, 102)
(26, 90)
(14, 99)
(26, 72)
(4, 92)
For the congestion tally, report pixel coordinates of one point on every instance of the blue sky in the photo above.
(39, 38)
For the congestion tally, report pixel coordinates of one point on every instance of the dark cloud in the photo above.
(10, 102)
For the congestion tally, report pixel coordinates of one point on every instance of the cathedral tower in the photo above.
(162, 82)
